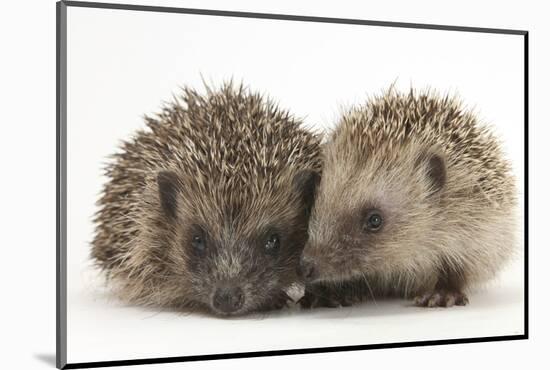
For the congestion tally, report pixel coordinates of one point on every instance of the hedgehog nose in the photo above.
(307, 269)
(228, 299)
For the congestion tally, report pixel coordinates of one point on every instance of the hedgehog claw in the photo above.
(441, 298)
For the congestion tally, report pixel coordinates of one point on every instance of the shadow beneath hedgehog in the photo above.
(150, 312)
(379, 307)
(480, 300)
(489, 298)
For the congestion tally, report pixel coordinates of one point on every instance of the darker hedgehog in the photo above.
(207, 209)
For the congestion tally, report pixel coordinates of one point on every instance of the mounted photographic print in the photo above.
(243, 184)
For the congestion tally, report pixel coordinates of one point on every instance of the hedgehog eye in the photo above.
(373, 221)
(198, 241)
(272, 244)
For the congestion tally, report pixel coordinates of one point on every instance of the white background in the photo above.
(122, 64)
(28, 153)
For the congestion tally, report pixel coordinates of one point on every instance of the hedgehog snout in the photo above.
(308, 269)
(228, 299)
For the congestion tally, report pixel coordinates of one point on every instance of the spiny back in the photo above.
(237, 147)
(227, 136)
(385, 124)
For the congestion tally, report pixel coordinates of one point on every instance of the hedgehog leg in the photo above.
(329, 295)
(279, 301)
(447, 292)
(319, 295)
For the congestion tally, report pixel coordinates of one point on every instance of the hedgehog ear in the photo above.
(305, 183)
(435, 170)
(168, 186)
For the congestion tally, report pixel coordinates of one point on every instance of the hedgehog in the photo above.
(416, 200)
(206, 209)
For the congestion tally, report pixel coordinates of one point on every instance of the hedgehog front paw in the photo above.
(441, 298)
(281, 301)
(278, 302)
(315, 298)
(313, 301)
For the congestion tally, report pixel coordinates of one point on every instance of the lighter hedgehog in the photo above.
(416, 200)
(207, 208)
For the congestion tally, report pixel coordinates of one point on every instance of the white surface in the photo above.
(102, 329)
(122, 64)
(28, 186)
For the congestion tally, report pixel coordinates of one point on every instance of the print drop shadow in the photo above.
(46, 358)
